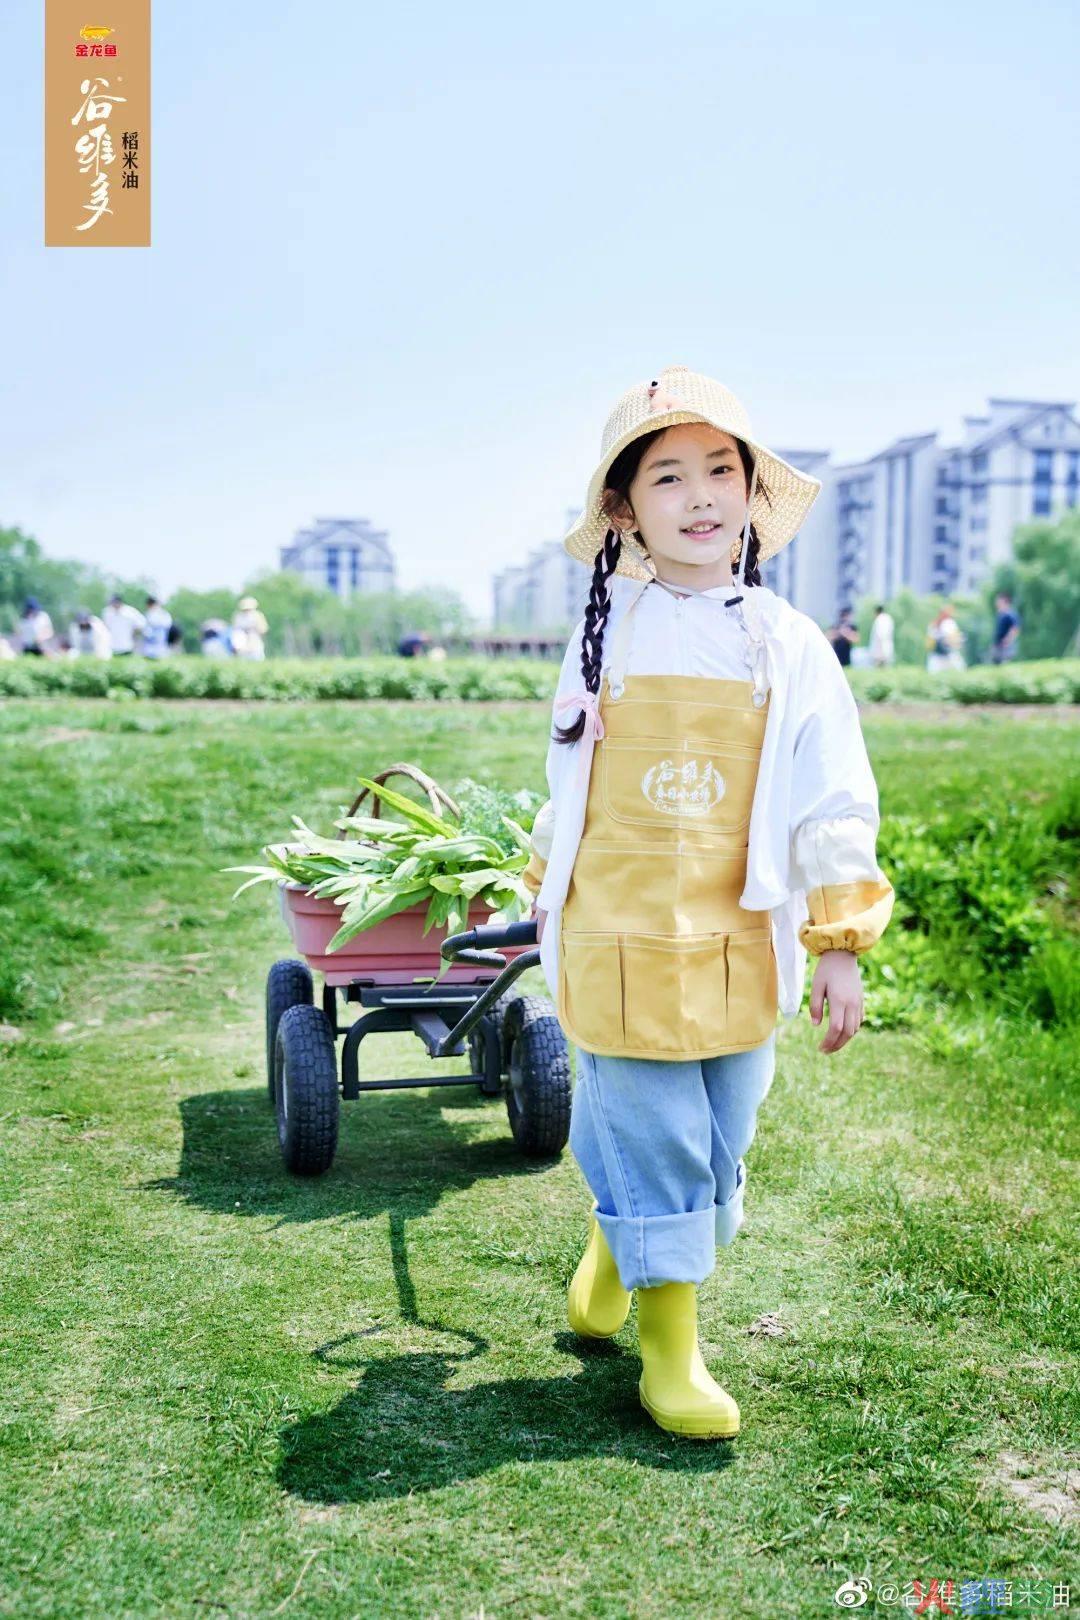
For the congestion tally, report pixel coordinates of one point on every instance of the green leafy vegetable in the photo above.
(396, 862)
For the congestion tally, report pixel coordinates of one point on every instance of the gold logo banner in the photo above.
(97, 124)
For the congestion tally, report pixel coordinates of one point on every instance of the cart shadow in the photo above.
(403, 1430)
(397, 1153)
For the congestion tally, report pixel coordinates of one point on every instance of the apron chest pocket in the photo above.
(651, 783)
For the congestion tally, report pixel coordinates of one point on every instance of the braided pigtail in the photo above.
(597, 611)
(753, 550)
(753, 544)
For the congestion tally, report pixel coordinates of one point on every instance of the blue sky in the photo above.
(405, 259)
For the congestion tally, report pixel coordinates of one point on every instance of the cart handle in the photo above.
(421, 778)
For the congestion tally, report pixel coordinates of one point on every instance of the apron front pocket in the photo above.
(590, 999)
(699, 996)
(751, 987)
(676, 994)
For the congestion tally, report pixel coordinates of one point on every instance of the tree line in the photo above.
(1042, 576)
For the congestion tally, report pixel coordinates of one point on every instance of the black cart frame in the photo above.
(515, 1043)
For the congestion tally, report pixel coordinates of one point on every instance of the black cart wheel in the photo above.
(538, 1094)
(306, 1094)
(288, 984)
(490, 1075)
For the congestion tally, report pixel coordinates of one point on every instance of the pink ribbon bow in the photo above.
(594, 727)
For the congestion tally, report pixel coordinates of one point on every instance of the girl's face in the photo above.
(691, 475)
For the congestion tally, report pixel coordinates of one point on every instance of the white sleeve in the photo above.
(560, 757)
(834, 808)
(543, 830)
(834, 815)
(570, 680)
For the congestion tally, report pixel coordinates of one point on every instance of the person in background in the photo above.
(249, 629)
(881, 637)
(156, 632)
(843, 635)
(414, 644)
(35, 628)
(88, 636)
(174, 638)
(1006, 630)
(124, 623)
(944, 641)
(215, 639)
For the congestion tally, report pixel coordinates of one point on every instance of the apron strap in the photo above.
(756, 657)
(620, 646)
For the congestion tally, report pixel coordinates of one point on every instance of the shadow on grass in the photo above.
(402, 1431)
(398, 1158)
(397, 1152)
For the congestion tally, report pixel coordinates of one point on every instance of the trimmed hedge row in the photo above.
(469, 680)
(299, 680)
(1048, 680)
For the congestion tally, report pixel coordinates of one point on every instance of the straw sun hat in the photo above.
(678, 394)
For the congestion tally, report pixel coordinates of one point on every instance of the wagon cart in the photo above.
(515, 1044)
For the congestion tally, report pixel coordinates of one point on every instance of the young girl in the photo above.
(712, 819)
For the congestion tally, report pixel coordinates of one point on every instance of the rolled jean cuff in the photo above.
(653, 1249)
(729, 1216)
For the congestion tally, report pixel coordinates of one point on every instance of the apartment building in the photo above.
(346, 555)
(931, 517)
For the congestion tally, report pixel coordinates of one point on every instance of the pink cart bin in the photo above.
(515, 1044)
(395, 951)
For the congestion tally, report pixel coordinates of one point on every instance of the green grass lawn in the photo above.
(230, 1392)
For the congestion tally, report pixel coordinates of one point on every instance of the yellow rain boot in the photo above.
(677, 1389)
(597, 1303)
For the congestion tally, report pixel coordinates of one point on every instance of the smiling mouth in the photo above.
(701, 534)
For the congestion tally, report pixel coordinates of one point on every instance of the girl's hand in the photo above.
(837, 978)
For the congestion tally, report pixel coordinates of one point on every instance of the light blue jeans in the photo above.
(661, 1145)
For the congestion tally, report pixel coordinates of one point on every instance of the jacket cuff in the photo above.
(533, 874)
(847, 916)
(541, 838)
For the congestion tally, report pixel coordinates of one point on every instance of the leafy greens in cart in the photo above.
(392, 864)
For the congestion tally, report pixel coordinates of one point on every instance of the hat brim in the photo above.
(777, 513)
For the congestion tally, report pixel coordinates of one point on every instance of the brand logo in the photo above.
(93, 37)
(687, 790)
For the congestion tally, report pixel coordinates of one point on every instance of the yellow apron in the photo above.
(657, 959)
